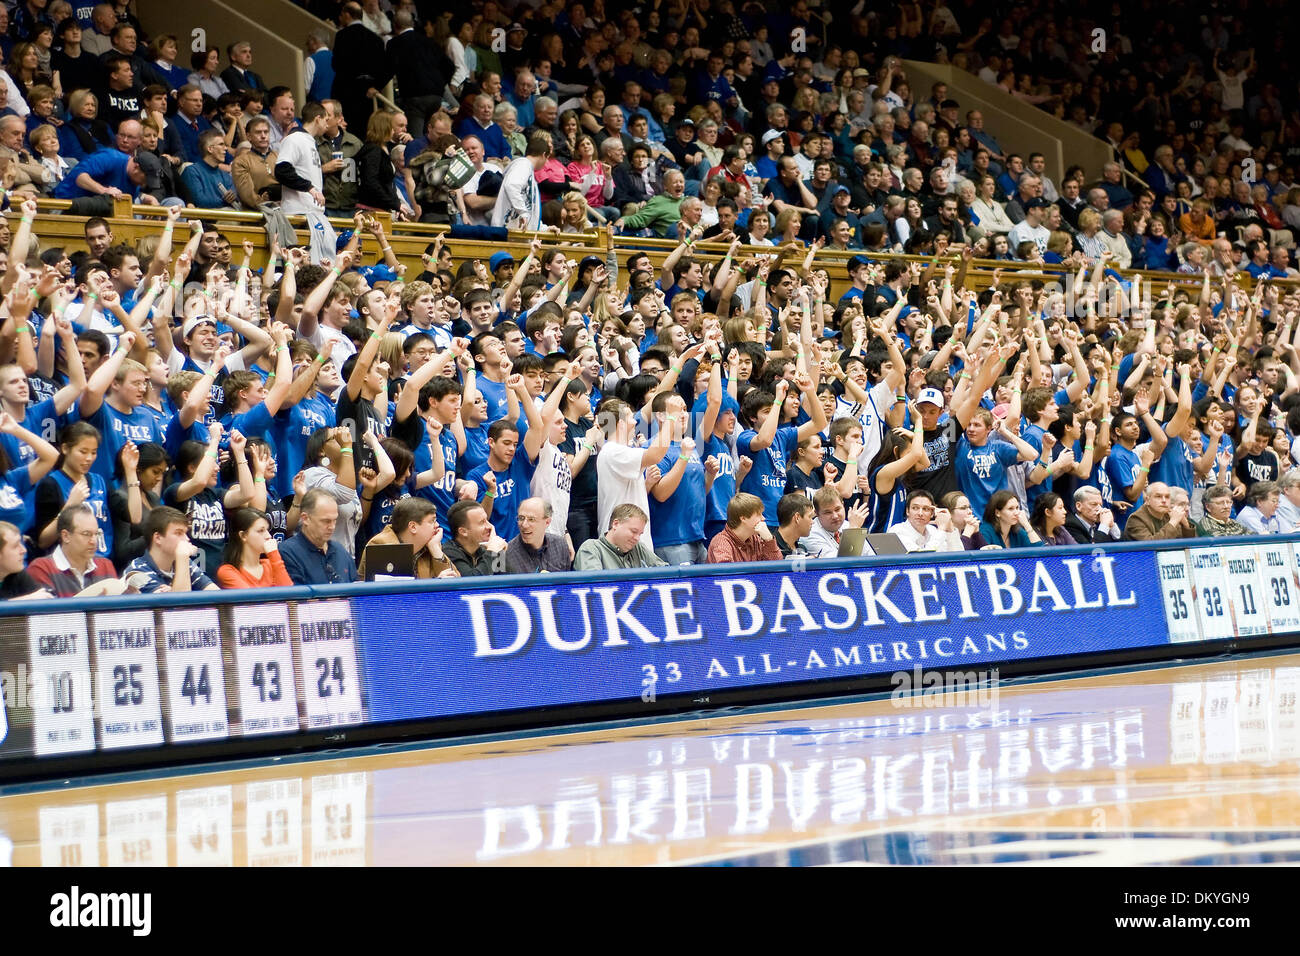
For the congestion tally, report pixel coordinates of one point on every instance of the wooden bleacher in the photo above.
(131, 223)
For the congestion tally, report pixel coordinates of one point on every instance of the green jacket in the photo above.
(660, 213)
(597, 554)
(340, 188)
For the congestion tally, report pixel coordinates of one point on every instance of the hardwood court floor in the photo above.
(1183, 764)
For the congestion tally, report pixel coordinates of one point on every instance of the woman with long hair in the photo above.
(788, 223)
(807, 473)
(587, 172)
(375, 171)
(143, 468)
(986, 212)
(1006, 524)
(330, 466)
(564, 145)
(25, 68)
(1048, 520)
(252, 556)
(581, 445)
(196, 492)
(901, 453)
(73, 483)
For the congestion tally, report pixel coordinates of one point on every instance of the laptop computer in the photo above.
(385, 561)
(854, 542)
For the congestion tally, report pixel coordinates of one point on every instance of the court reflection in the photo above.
(1210, 749)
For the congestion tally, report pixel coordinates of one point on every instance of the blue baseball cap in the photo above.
(498, 259)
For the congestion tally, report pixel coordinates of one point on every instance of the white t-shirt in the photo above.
(299, 149)
(553, 482)
(620, 480)
(871, 416)
(1023, 231)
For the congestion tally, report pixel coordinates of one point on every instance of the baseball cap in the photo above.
(861, 72)
(152, 168)
(771, 135)
(841, 188)
(686, 122)
(1038, 202)
(930, 396)
(497, 259)
(857, 262)
(517, 28)
(194, 323)
(588, 262)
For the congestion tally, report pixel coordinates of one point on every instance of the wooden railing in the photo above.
(130, 223)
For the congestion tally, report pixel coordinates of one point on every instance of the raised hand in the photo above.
(79, 493)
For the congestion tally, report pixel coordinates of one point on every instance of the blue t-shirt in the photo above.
(1175, 466)
(494, 393)
(15, 487)
(139, 426)
(1033, 434)
(41, 419)
(767, 477)
(724, 483)
(680, 519)
(982, 470)
(176, 435)
(441, 493)
(514, 486)
(1121, 468)
(106, 167)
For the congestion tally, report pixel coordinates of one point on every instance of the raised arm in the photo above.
(97, 387)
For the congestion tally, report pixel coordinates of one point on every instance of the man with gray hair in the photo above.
(480, 124)
(318, 66)
(1112, 231)
(545, 113)
(1288, 505)
(95, 40)
(1260, 513)
(1028, 187)
(239, 76)
(535, 550)
(612, 117)
(1091, 522)
(1112, 180)
(1159, 519)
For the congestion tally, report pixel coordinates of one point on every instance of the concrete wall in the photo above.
(277, 29)
(1019, 127)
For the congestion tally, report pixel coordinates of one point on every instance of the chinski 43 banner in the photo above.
(574, 641)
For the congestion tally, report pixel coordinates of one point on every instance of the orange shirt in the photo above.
(1205, 234)
(274, 574)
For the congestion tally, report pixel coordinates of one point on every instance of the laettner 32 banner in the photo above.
(226, 671)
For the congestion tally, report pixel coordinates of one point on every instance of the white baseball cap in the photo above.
(931, 396)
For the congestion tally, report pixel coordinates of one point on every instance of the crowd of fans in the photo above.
(179, 421)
